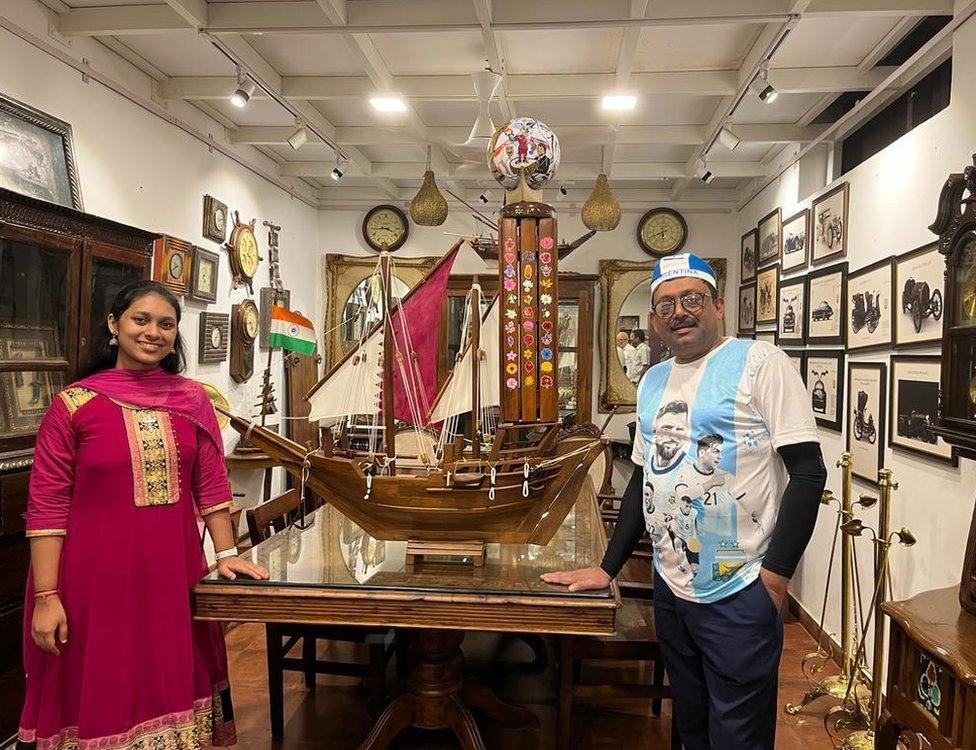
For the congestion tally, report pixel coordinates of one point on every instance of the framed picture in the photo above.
(915, 407)
(204, 271)
(766, 282)
(823, 372)
(214, 337)
(826, 309)
(791, 312)
(767, 336)
(172, 258)
(920, 289)
(747, 255)
(798, 358)
(214, 219)
(869, 309)
(26, 396)
(37, 155)
(770, 237)
(747, 308)
(830, 225)
(866, 394)
(796, 238)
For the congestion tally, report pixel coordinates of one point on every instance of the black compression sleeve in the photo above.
(630, 526)
(798, 509)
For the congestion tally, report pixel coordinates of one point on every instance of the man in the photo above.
(642, 355)
(625, 351)
(720, 629)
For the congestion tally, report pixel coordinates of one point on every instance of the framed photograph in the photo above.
(792, 312)
(770, 237)
(26, 396)
(37, 155)
(203, 279)
(214, 337)
(798, 358)
(767, 336)
(920, 290)
(796, 238)
(866, 395)
(823, 373)
(214, 219)
(747, 308)
(767, 281)
(172, 258)
(284, 299)
(826, 308)
(869, 309)
(830, 225)
(747, 255)
(915, 407)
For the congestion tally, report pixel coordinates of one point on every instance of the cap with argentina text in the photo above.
(680, 266)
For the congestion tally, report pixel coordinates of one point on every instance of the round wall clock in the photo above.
(662, 231)
(249, 321)
(243, 249)
(385, 225)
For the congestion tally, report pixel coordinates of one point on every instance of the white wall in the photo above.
(893, 199)
(140, 170)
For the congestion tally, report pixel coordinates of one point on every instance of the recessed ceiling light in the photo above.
(388, 104)
(619, 101)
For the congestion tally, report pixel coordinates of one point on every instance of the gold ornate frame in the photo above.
(342, 274)
(618, 278)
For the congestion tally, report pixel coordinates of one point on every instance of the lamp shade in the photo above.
(428, 207)
(601, 211)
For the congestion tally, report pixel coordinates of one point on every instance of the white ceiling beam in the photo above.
(880, 8)
(622, 76)
(122, 19)
(888, 42)
(335, 11)
(194, 12)
(824, 80)
(483, 9)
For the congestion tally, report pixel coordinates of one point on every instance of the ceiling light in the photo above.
(619, 101)
(707, 176)
(335, 174)
(703, 172)
(727, 138)
(563, 190)
(245, 89)
(299, 138)
(766, 93)
(390, 103)
(485, 196)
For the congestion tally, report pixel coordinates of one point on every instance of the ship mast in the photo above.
(475, 295)
(389, 436)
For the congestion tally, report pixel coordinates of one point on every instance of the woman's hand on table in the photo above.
(230, 567)
(583, 579)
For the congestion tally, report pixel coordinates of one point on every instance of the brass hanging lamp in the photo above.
(428, 207)
(601, 212)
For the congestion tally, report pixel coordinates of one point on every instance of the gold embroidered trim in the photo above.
(46, 532)
(155, 460)
(76, 397)
(214, 508)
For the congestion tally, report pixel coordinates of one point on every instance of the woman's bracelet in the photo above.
(232, 552)
(46, 593)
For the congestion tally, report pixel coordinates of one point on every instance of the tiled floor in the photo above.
(334, 715)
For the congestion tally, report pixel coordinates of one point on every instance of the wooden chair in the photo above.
(262, 522)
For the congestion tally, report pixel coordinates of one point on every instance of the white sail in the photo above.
(355, 387)
(455, 398)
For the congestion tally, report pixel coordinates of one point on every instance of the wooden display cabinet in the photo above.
(60, 269)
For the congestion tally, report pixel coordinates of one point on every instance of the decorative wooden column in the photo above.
(528, 273)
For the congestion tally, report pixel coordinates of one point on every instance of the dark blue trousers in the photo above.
(723, 663)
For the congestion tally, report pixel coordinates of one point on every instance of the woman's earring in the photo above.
(114, 341)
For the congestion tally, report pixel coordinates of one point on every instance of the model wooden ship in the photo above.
(502, 481)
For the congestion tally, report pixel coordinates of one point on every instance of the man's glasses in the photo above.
(693, 302)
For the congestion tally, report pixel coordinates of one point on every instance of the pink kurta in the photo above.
(124, 487)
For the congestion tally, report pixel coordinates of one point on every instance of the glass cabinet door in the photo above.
(108, 277)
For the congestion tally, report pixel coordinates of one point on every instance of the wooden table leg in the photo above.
(396, 717)
(481, 696)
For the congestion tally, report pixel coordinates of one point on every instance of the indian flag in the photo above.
(289, 330)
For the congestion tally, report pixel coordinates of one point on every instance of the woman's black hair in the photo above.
(103, 356)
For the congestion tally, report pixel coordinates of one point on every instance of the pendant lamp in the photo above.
(428, 207)
(601, 211)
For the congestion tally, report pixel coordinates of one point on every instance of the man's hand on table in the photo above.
(584, 579)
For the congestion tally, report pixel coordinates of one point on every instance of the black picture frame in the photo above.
(204, 259)
(761, 280)
(865, 451)
(747, 292)
(926, 298)
(798, 335)
(767, 257)
(860, 336)
(748, 243)
(909, 429)
(769, 336)
(823, 225)
(797, 258)
(832, 290)
(827, 417)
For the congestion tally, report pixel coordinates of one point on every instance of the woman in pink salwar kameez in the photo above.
(126, 460)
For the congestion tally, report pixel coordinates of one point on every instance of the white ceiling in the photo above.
(685, 60)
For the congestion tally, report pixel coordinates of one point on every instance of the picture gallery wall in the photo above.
(799, 291)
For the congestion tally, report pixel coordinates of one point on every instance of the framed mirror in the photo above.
(628, 344)
(353, 297)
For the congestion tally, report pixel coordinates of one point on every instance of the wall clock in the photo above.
(172, 259)
(243, 332)
(214, 337)
(203, 276)
(214, 219)
(662, 231)
(385, 225)
(243, 250)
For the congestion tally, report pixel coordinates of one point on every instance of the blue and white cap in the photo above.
(681, 266)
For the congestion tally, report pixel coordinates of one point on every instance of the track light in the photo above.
(299, 138)
(764, 90)
(727, 138)
(563, 190)
(336, 174)
(708, 176)
(245, 90)
(485, 196)
(704, 173)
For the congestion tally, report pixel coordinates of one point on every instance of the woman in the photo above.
(126, 461)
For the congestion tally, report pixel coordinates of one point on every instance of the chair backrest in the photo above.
(272, 516)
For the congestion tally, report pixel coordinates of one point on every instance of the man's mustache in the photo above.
(685, 321)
